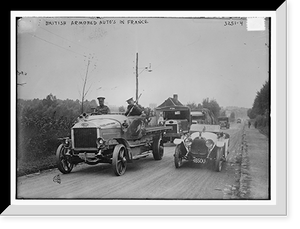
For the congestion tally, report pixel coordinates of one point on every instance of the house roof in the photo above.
(171, 103)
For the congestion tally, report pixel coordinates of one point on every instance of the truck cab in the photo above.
(179, 120)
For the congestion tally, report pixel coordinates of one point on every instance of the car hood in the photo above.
(101, 121)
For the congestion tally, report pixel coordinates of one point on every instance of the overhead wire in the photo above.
(90, 55)
(76, 43)
(58, 45)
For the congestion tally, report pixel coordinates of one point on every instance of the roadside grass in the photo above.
(264, 131)
(35, 165)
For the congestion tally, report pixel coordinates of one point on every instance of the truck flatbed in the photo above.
(152, 129)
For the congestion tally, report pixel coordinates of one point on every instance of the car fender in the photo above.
(177, 141)
(126, 144)
(220, 143)
(209, 135)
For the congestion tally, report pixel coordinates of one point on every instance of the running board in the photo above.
(141, 155)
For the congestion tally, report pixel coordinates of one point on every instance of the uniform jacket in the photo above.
(136, 110)
(102, 109)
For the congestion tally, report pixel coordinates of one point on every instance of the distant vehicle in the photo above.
(203, 116)
(110, 138)
(238, 120)
(204, 144)
(198, 117)
(224, 122)
(179, 119)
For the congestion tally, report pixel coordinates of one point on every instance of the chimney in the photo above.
(175, 97)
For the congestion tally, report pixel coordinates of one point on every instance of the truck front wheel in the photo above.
(119, 161)
(63, 161)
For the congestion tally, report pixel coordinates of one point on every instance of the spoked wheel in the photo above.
(63, 162)
(158, 148)
(177, 157)
(119, 161)
(219, 161)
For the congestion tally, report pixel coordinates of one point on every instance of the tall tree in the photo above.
(212, 105)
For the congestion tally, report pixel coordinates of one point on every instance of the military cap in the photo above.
(101, 98)
(131, 99)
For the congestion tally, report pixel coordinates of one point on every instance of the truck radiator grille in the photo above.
(85, 137)
(174, 128)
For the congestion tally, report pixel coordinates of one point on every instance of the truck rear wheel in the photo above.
(158, 148)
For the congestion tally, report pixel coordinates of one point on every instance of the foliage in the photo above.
(122, 109)
(261, 104)
(194, 106)
(212, 105)
(232, 116)
(41, 122)
(223, 112)
(260, 111)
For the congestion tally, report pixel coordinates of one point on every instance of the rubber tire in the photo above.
(177, 157)
(158, 148)
(119, 158)
(218, 161)
(61, 159)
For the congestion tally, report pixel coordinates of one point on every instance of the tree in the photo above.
(121, 109)
(223, 112)
(232, 116)
(84, 91)
(250, 113)
(260, 110)
(261, 105)
(212, 105)
(194, 106)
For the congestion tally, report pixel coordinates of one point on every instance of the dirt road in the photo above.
(144, 179)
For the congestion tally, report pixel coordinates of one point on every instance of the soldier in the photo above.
(133, 109)
(102, 109)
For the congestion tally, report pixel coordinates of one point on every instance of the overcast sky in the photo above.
(195, 58)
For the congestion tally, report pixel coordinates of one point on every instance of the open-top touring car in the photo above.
(204, 144)
(115, 139)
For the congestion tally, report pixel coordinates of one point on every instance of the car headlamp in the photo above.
(209, 144)
(100, 142)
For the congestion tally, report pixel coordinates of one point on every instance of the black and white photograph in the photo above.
(145, 109)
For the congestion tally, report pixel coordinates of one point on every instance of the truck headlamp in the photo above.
(100, 142)
(66, 142)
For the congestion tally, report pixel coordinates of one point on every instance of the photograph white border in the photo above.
(276, 206)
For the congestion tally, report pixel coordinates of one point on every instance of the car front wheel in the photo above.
(218, 160)
(177, 157)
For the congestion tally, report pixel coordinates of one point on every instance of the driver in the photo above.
(102, 109)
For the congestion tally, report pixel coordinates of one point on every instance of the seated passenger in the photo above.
(133, 109)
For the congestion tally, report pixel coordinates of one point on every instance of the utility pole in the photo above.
(136, 78)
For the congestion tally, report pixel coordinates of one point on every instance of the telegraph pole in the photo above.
(136, 79)
(137, 75)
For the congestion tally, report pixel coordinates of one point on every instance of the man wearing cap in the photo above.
(133, 109)
(102, 109)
